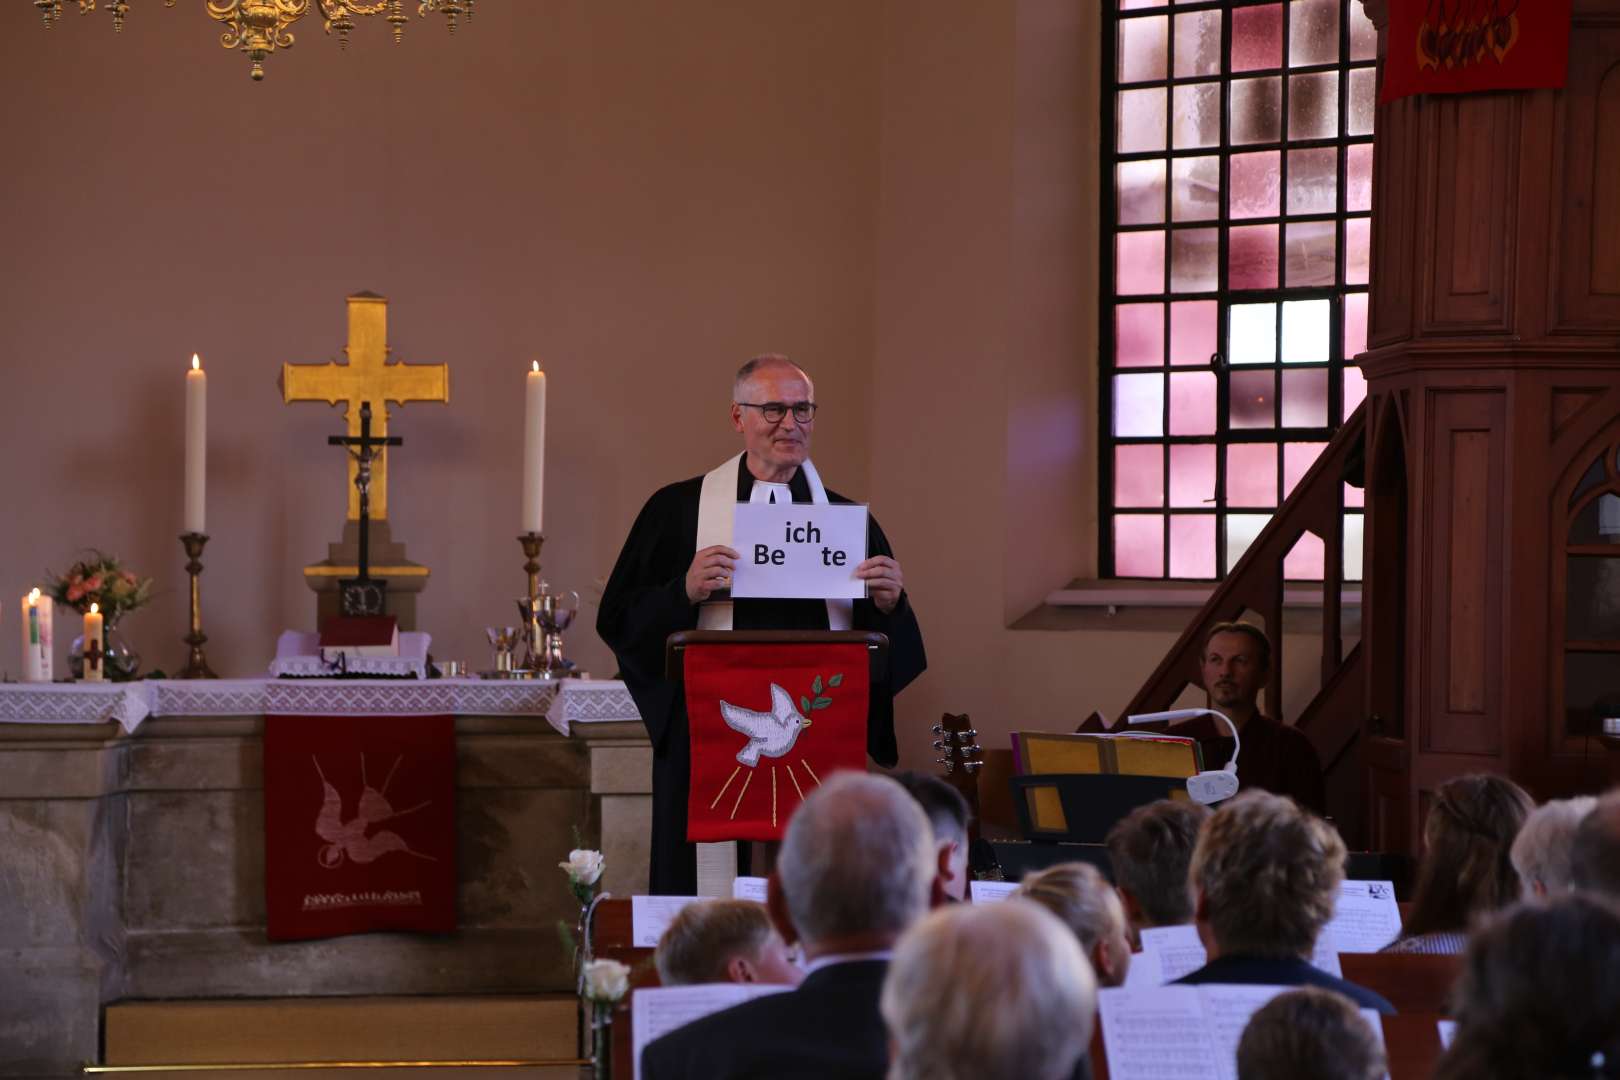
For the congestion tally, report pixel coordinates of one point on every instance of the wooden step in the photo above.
(351, 1029)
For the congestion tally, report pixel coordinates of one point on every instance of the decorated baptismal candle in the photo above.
(36, 637)
(95, 654)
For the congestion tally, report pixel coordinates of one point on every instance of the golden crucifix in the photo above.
(368, 376)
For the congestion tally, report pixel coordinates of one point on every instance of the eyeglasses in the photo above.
(773, 411)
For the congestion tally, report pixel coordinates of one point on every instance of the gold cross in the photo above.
(366, 377)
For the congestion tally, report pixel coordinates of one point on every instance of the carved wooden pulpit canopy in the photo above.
(368, 376)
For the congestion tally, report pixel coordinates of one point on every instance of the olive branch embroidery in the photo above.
(807, 706)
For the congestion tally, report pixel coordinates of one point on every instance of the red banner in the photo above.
(769, 723)
(1464, 46)
(359, 824)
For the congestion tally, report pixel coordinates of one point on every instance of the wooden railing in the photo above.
(1333, 717)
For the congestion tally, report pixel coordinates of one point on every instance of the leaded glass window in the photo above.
(1238, 180)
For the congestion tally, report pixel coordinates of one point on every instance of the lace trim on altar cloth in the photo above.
(562, 703)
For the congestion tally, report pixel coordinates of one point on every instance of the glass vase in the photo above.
(121, 662)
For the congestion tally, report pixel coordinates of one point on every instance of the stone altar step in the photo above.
(251, 1031)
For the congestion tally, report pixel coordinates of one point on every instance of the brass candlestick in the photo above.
(531, 550)
(197, 664)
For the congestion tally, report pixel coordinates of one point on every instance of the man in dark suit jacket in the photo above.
(1265, 879)
(857, 867)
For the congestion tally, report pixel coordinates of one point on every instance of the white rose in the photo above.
(606, 981)
(583, 866)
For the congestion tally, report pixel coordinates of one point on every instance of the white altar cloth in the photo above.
(562, 703)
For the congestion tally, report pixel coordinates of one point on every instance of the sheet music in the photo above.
(748, 888)
(1145, 971)
(1227, 1010)
(649, 915)
(1174, 1032)
(1177, 948)
(1155, 1034)
(990, 892)
(1365, 919)
(1177, 951)
(656, 1011)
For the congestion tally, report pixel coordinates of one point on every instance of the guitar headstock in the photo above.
(958, 744)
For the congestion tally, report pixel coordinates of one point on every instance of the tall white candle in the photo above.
(196, 447)
(534, 449)
(36, 637)
(94, 642)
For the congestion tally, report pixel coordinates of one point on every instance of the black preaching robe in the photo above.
(645, 602)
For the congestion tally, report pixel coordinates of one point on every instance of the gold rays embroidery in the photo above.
(773, 796)
(795, 780)
(811, 771)
(725, 785)
(744, 790)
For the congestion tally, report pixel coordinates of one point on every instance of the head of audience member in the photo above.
(715, 941)
(856, 867)
(1539, 994)
(981, 992)
(1087, 904)
(1466, 870)
(1595, 855)
(1149, 850)
(1309, 1032)
(776, 446)
(1235, 663)
(947, 813)
(1265, 877)
(1541, 852)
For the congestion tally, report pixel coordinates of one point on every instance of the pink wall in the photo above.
(641, 195)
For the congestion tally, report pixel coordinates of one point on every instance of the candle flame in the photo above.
(33, 597)
(94, 608)
(196, 364)
(536, 366)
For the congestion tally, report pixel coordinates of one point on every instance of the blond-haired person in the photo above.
(986, 992)
(1087, 904)
(1265, 878)
(724, 941)
(1542, 852)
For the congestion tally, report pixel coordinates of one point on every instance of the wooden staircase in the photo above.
(1334, 716)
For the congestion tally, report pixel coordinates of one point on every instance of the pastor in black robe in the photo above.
(645, 601)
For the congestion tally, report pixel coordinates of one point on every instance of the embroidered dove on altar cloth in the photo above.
(770, 733)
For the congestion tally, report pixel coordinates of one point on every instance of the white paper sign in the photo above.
(1448, 1033)
(748, 888)
(1365, 918)
(799, 550)
(658, 1010)
(649, 915)
(990, 892)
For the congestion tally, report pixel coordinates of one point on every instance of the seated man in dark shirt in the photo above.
(1275, 757)
(1265, 878)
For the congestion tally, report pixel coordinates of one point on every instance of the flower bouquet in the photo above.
(101, 579)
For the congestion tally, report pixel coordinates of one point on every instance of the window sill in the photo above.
(1162, 606)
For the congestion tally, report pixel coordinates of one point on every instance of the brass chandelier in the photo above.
(260, 27)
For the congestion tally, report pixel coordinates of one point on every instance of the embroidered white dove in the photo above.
(770, 733)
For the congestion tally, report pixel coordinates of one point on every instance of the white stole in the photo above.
(717, 511)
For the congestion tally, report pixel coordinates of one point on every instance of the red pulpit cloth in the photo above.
(769, 723)
(359, 824)
(1463, 46)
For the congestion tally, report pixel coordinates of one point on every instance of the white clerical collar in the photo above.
(767, 492)
(847, 958)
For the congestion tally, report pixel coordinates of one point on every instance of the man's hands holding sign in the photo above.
(714, 568)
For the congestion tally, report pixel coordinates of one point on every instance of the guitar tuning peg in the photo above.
(964, 736)
(971, 767)
(945, 761)
(938, 729)
(939, 744)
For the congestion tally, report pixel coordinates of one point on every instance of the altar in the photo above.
(132, 846)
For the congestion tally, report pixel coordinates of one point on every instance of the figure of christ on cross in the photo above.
(362, 595)
(367, 377)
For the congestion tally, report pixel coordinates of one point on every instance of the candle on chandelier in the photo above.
(534, 448)
(196, 446)
(95, 642)
(36, 637)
